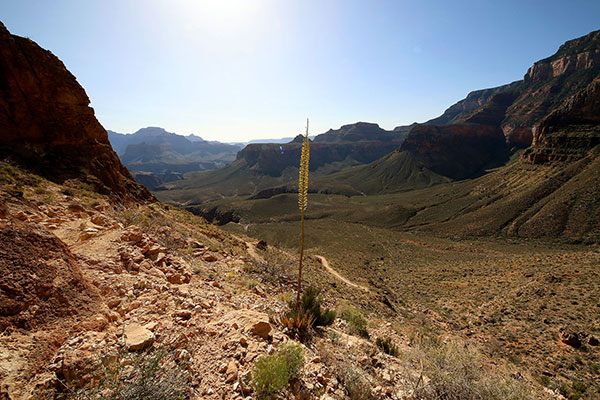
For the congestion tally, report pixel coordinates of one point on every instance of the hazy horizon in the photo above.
(239, 70)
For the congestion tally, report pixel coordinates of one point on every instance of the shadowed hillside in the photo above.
(46, 123)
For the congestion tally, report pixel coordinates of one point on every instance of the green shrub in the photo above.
(269, 376)
(272, 372)
(310, 303)
(294, 357)
(356, 321)
(387, 346)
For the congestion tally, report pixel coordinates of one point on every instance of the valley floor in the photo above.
(522, 300)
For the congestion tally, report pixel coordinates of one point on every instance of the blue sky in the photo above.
(238, 70)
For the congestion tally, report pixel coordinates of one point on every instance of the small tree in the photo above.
(302, 203)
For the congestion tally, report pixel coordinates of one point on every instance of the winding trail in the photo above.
(333, 272)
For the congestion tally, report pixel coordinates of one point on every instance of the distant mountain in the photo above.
(169, 155)
(279, 141)
(266, 165)
(359, 132)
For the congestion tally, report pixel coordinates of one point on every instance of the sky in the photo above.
(236, 70)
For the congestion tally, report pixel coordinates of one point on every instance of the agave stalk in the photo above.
(302, 203)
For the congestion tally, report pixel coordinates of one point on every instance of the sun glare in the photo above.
(224, 17)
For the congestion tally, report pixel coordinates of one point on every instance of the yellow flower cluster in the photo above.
(303, 174)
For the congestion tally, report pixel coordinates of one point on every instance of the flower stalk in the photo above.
(302, 203)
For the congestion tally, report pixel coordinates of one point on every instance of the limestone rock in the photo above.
(250, 321)
(231, 373)
(137, 337)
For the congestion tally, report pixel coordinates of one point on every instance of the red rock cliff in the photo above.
(571, 131)
(46, 123)
(576, 54)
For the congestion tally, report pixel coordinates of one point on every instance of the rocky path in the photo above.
(339, 276)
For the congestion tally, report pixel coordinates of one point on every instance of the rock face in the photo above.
(576, 54)
(358, 132)
(148, 179)
(271, 160)
(137, 337)
(457, 151)
(46, 123)
(571, 131)
(249, 321)
(465, 139)
(473, 101)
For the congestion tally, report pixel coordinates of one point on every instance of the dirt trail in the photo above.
(251, 249)
(333, 272)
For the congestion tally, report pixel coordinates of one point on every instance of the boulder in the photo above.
(254, 322)
(137, 337)
(231, 373)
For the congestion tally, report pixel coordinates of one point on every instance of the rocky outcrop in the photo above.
(46, 123)
(358, 132)
(148, 179)
(273, 159)
(516, 109)
(571, 131)
(473, 101)
(457, 151)
(574, 55)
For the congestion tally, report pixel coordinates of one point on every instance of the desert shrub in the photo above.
(387, 346)
(294, 357)
(140, 376)
(455, 373)
(269, 375)
(299, 319)
(297, 322)
(310, 303)
(355, 383)
(272, 372)
(356, 321)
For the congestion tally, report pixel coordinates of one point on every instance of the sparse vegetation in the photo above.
(455, 371)
(145, 376)
(387, 346)
(356, 321)
(307, 314)
(310, 303)
(272, 372)
(355, 382)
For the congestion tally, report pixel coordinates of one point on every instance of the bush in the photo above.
(356, 321)
(310, 302)
(455, 373)
(387, 346)
(294, 357)
(309, 313)
(272, 372)
(356, 385)
(269, 376)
